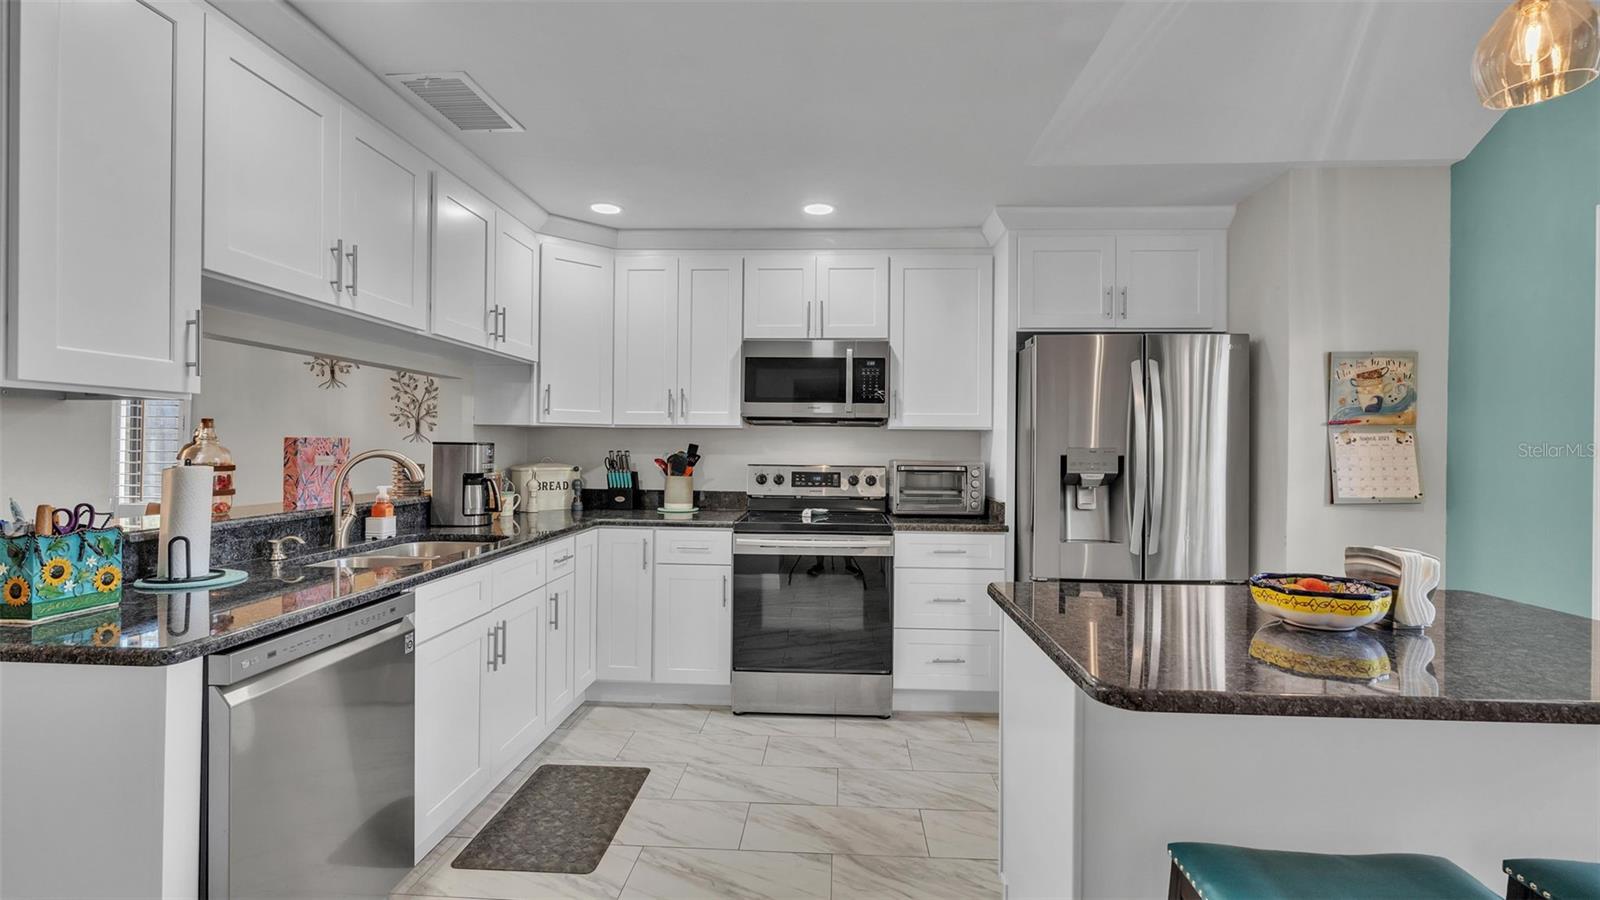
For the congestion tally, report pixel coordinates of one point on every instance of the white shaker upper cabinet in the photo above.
(941, 307)
(780, 292)
(575, 319)
(709, 330)
(1066, 281)
(108, 112)
(853, 297)
(463, 261)
(646, 341)
(383, 215)
(271, 170)
(1170, 281)
(516, 288)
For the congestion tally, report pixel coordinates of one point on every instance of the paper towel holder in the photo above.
(190, 581)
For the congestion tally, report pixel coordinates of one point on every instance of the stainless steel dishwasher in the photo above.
(309, 781)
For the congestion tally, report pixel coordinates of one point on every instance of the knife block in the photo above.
(623, 497)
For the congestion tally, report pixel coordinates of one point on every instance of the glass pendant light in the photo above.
(1537, 50)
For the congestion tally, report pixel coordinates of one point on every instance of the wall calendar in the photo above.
(1374, 465)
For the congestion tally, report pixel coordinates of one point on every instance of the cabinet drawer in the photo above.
(940, 598)
(561, 557)
(702, 546)
(928, 659)
(448, 602)
(949, 551)
(518, 574)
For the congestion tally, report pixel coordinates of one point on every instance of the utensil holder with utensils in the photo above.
(679, 495)
(47, 576)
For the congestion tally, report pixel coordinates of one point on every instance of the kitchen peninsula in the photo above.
(1137, 714)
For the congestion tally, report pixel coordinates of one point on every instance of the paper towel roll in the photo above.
(185, 512)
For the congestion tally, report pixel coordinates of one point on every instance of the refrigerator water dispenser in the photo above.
(1087, 474)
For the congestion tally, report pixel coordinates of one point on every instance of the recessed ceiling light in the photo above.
(818, 209)
(605, 209)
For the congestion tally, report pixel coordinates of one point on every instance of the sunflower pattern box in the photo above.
(49, 575)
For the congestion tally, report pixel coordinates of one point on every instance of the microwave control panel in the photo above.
(870, 379)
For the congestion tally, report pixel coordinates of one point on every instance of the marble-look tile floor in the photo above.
(756, 807)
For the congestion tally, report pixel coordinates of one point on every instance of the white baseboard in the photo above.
(720, 695)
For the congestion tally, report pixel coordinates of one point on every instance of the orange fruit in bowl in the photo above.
(1314, 584)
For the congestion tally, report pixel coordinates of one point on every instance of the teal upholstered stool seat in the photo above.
(1223, 872)
(1554, 879)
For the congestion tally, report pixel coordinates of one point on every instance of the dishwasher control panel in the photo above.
(250, 660)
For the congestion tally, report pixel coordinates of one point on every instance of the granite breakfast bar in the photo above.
(1135, 714)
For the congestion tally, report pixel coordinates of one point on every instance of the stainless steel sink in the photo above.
(416, 553)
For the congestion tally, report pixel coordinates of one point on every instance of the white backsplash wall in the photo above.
(725, 452)
(55, 451)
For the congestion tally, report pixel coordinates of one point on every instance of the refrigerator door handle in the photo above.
(1158, 444)
(1139, 425)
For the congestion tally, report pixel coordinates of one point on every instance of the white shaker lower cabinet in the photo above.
(108, 110)
(693, 624)
(575, 340)
(558, 684)
(587, 593)
(453, 758)
(946, 634)
(941, 336)
(513, 703)
(623, 616)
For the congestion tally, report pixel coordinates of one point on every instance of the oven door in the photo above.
(813, 604)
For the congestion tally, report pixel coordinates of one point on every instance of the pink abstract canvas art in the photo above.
(308, 467)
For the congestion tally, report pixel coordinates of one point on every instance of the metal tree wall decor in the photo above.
(416, 403)
(328, 370)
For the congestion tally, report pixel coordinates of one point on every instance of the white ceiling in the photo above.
(930, 114)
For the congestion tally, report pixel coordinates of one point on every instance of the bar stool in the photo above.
(1552, 879)
(1223, 872)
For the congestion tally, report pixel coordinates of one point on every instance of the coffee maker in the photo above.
(466, 493)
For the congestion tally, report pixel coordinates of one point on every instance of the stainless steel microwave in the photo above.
(933, 488)
(816, 382)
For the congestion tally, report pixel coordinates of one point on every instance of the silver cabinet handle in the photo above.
(683, 404)
(808, 318)
(946, 600)
(354, 276)
(822, 318)
(503, 334)
(555, 611)
(644, 555)
(939, 660)
(957, 552)
(1107, 306)
(198, 340)
(670, 416)
(1124, 301)
(338, 266)
(502, 642)
(724, 591)
(561, 559)
(494, 648)
(547, 399)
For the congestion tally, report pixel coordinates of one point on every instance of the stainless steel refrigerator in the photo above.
(1133, 457)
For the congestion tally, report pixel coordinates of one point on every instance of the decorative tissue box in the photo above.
(308, 467)
(51, 575)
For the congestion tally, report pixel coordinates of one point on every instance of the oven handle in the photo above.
(930, 468)
(755, 546)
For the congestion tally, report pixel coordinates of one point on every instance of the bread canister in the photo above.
(548, 488)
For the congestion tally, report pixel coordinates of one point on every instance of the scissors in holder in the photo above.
(84, 515)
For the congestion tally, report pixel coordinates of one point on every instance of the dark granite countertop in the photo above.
(147, 629)
(1193, 648)
(990, 524)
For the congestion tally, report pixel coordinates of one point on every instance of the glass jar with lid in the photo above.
(206, 450)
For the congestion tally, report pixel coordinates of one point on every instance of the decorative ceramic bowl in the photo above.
(1348, 604)
(1348, 656)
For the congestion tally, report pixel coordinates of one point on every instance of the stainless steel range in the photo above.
(813, 599)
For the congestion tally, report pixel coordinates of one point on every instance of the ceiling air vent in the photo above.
(458, 100)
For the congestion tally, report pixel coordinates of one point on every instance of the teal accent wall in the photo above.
(1522, 353)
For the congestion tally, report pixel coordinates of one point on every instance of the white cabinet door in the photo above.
(586, 592)
(453, 761)
(383, 221)
(516, 287)
(853, 297)
(575, 335)
(1169, 281)
(558, 692)
(693, 624)
(942, 341)
(646, 341)
(1066, 281)
(780, 291)
(463, 261)
(710, 321)
(623, 622)
(512, 700)
(271, 169)
(108, 177)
